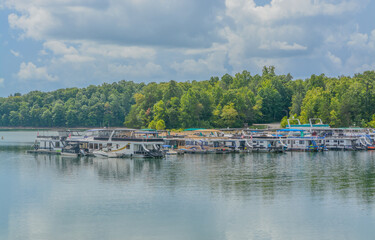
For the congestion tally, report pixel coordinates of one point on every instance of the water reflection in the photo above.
(238, 176)
(126, 169)
(234, 196)
(14, 148)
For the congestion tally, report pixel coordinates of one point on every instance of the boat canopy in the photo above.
(308, 125)
(193, 129)
(290, 130)
(93, 130)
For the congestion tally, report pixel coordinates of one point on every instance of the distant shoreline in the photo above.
(38, 129)
(3, 129)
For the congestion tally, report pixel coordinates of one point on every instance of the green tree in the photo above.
(58, 114)
(229, 116)
(190, 109)
(160, 125)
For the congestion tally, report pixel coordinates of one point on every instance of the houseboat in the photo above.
(122, 142)
(53, 141)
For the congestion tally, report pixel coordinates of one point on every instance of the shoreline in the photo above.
(40, 129)
(254, 126)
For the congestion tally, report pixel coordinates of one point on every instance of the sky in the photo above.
(46, 45)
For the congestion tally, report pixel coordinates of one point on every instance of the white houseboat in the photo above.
(121, 143)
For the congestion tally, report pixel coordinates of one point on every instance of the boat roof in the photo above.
(193, 129)
(309, 126)
(111, 129)
(93, 130)
(290, 130)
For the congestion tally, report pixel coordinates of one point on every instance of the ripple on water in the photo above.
(326, 195)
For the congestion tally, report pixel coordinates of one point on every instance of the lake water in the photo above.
(313, 196)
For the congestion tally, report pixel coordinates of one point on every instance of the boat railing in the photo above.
(282, 143)
(294, 119)
(248, 144)
(49, 137)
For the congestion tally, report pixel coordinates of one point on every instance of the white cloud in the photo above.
(188, 39)
(28, 71)
(75, 58)
(2, 82)
(372, 40)
(358, 40)
(246, 10)
(34, 23)
(277, 45)
(116, 51)
(362, 40)
(88, 51)
(146, 22)
(285, 32)
(334, 59)
(59, 48)
(139, 70)
(16, 54)
(213, 64)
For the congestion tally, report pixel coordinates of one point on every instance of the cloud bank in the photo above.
(157, 40)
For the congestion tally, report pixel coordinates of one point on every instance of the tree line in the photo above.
(229, 101)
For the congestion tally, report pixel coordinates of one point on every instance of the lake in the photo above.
(329, 195)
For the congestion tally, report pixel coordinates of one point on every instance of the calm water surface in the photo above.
(239, 196)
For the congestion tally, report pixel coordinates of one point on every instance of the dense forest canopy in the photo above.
(229, 101)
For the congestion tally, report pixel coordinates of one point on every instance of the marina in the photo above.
(149, 143)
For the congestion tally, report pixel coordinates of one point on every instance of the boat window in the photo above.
(57, 144)
(341, 141)
(109, 144)
(288, 141)
(95, 146)
(91, 146)
(254, 141)
(117, 146)
(301, 142)
(261, 141)
(128, 146)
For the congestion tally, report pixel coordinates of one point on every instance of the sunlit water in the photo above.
(326, 195)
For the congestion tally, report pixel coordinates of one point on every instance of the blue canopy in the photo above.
(290, 130)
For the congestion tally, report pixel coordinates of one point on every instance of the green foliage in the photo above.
(229, 101)
(284, 122)
(160, 125)
(229, 116)
(371, 124)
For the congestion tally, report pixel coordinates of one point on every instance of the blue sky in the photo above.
(46, 45)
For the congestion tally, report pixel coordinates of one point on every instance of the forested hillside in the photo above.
(229, 101)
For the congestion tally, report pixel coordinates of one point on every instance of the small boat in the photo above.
(71, 149)
(106, 153)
